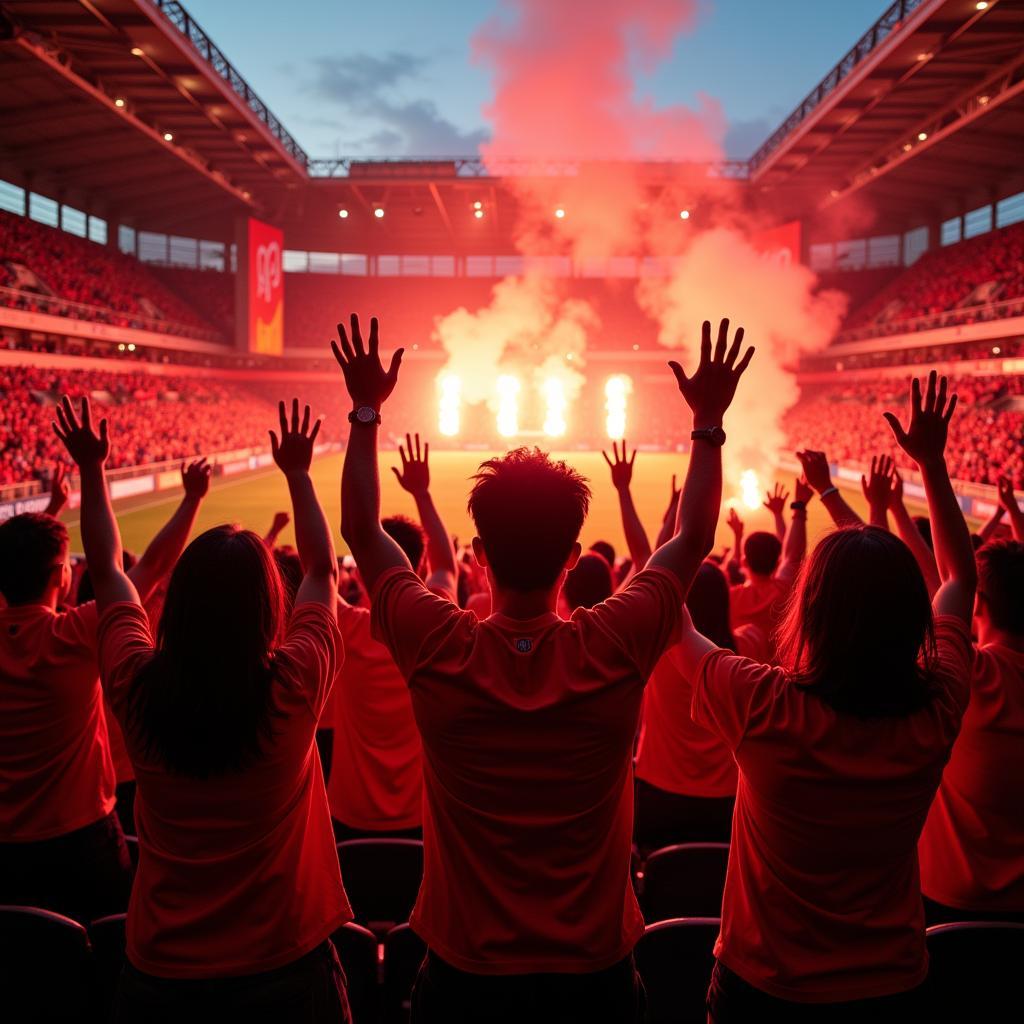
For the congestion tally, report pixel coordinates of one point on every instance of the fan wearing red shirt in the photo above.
(840, 753)
(238, 889)
(376, 784)
(61, 844)
(972, 847)
(527, 719)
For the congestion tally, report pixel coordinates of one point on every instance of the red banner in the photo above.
(781, 243)
(266, 288)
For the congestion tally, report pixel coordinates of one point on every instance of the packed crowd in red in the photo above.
(114, 288)
(211, 292)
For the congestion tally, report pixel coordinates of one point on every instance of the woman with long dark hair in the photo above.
(238, 888)
(840, 752)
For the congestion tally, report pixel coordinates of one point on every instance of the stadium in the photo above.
(170, 252)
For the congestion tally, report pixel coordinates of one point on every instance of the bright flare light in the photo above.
(556, 404)
(615, 391)
(449, 405)
(750, 489)
(508, 405)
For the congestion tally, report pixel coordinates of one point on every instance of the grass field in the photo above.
(252, 500)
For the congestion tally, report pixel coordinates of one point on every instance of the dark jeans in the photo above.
(445, 995)
(661, 818)
(731, 1000)
(343, 832)
(939, 913)
(83, 874)
(310, 990)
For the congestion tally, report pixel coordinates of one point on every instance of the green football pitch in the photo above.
(253, 499)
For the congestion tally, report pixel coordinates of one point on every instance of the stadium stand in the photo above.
(210, 292)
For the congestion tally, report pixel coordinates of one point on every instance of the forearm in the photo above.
(312, 532)
(636, 537)
(56, 505)
(911, 536)
(166, 547)
(796, 540)
(439, 546)
(701, 499)
(668, 524)
(360, 486)
(1016, 521)
(954, 552)
(101, 538)
(836, 506)
(780, 526)
(985, 533)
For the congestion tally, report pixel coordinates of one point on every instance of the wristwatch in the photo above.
(716, 435)
(364, 416)
(798, 506)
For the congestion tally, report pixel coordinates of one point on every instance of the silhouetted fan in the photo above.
(357, 951)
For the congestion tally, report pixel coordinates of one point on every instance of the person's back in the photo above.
(757, 601)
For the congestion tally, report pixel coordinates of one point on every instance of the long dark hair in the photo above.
(201, 705)
(858, 630)
(708, 605)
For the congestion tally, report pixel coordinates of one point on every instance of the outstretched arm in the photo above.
(1008, 501)
(668, 523)
(924, 441)
(796, 539)
(415, 478)
(817, 474)
(166, 547)
(911, 536)
(293, 453)
(369, 386)
(622, 475)
(58, 490)
(877, 489)
(708, 393)
(100, 535)
(281, 520)
(736, 562)
(775, 502)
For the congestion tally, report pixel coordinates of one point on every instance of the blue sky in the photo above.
(394, 77)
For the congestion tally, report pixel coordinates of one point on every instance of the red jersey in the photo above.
(972, 847)
(758, 602)
(528, 730)
(238, 874)
(822, 897)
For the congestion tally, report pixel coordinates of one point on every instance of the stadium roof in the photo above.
(126, 108)
(924, 113)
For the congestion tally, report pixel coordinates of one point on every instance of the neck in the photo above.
(523, 604)
(988, 634)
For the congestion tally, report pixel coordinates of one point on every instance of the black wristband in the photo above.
(798, 506)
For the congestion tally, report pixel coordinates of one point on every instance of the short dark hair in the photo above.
(761, 552)
(1001, 584)
(605, 550)
(588, 582)
(32, 545)
(528, 511)
(409, 536)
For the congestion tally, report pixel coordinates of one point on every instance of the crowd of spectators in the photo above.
(211, 292)
(921, 355)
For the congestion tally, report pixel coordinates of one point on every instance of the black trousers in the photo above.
(445, 995)
(731, 1000)
(310, 990)
(661, 818)
(83, 874)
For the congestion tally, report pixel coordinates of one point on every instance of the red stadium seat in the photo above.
(675, 959)
(685, 880)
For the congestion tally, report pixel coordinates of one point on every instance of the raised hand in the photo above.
(195, 478)
(622, 468)
(59, 490)
(878, 485)
(736, 525)
(776, 500)
(709, 392)
(1007, 500)
(293, 453)
(816, 471)
(896, 491)
(281, 520)
(368, 383)
(924, 440)
(84, 445)
(414, 475)
(802, 490)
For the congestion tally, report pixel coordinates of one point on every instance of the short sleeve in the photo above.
(729, 692)
(409, 620)
(125, 644)
(954, 660)
(642, 620)
(78, 626)
(311, 655)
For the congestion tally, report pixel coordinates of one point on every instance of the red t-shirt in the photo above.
(55, 769)
(528, 730)
(758, 602)
(376, 778)
(238, 874)
(972, 847)
(676, 754)
(822, 897)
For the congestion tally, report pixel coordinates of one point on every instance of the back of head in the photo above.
(708, 605)
(761, 552)
(408, 536)
(858, 629)
(589, 582)
(201, 704)
(32, 547)
(605, 550)
(528, 511)
(1001, 585)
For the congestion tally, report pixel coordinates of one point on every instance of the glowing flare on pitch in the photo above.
(556, 405)
(448, 419)
(508, 405)
(616, 390)
(750, 489)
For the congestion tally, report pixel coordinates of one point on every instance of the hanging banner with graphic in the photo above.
(780, 244)
(266, 288)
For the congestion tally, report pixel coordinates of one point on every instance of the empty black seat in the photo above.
(974, 969)
(686, 880)
(675, 959)
(107, 936)
(357, 950)
(382, 878)
(404, 951)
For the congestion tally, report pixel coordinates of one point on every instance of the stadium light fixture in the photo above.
(559, 212)
(119, 102)
(684, 214)
(120, 347)
(983, 100)
(343, 213)
(378, 212)
(907, 147)
(921, 136)
(168, 136)
(981, 5)
(131, 346)
(478, 205)
(479, 214)
(136, 51)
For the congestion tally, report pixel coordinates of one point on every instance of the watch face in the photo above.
(365, 414)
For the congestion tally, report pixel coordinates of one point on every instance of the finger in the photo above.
(723, 337)
(864, 484)
(295, 415)
(681, 379)
(374, 342)
(69, 413)
(632, 459)
(315, 431)
(274, 446)
(357, 336)
(282, 416)
(396, 362)
(673, 483)
(705, 342)
(615, 449)
(734, 349)
(929, 400)
(949, 410)
(605, 455)
(426, 452)
(86, 413)
(940, 401)
(305, 421)
(894, 424)
(401, 452)
(60, 434)
(874, 465)
(419, 451)
(398, 476)
(103, 429)
(745, 361)
(408, 445)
